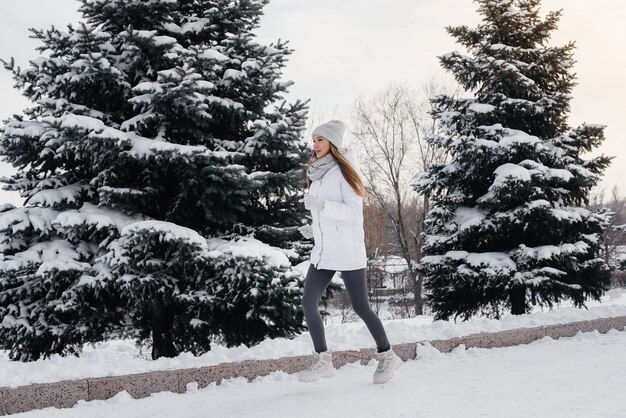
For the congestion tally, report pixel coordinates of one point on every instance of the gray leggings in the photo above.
(316, 283)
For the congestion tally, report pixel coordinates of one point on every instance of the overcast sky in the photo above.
(350, 48)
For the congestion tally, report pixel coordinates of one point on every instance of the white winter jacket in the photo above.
(338, 228)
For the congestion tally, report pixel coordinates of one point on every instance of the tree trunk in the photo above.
(419, 242)
(417, 291)
(162, 337)
(517, 297)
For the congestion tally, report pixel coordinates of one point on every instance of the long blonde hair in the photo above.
(348, 171)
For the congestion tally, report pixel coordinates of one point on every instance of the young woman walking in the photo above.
(335, 199)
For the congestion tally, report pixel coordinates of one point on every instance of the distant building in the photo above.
(388, 273)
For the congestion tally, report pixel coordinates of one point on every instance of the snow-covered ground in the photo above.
(581, 376)
(122, 357)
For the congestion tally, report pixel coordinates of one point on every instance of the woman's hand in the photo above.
(311, 202)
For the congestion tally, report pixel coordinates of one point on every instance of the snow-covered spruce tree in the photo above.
(506, 229)
(161, 176)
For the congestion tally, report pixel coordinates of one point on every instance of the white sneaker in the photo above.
(388, 361)
(322, 367)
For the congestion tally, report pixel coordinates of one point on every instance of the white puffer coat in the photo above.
(338, 228)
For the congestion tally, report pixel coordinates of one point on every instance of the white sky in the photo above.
(344, 49)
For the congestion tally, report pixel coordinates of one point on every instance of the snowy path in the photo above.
(582, 376)
(119, 357)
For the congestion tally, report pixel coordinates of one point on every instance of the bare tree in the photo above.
(390, 129)
(425, 125)
(614, 236)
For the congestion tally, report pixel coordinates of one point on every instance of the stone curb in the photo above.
(65, 394)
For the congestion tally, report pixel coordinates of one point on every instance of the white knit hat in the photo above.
(333, 131)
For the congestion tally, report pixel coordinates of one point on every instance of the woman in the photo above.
(335, 199)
